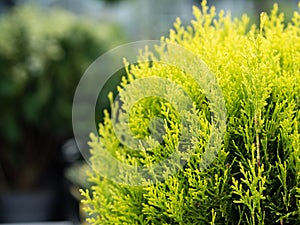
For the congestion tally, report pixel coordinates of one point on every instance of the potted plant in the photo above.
(255, 177)
(43, 54)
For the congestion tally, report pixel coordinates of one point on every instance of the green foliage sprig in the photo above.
(255, 179)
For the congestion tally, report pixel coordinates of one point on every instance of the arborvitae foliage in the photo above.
(255, 178)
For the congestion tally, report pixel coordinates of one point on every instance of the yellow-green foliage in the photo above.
(255, 179)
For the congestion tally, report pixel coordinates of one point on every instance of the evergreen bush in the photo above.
(255, 178)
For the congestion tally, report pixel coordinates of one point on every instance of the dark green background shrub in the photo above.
(255, 178)
(43, 54)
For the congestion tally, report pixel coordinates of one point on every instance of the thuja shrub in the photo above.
(255, 177)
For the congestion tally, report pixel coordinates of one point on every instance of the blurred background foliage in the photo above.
(43, 54)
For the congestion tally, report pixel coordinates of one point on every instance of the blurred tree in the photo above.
(43, 54)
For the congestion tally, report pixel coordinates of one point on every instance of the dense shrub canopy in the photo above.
(255, 178)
